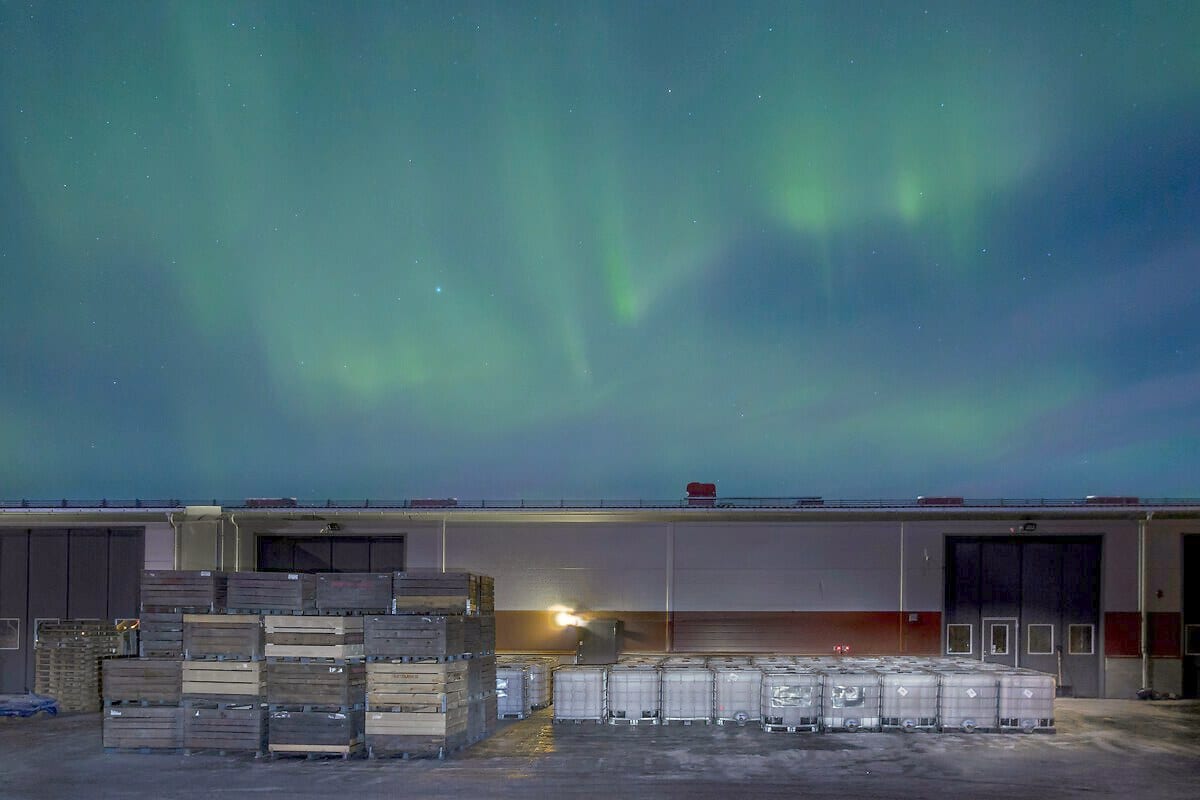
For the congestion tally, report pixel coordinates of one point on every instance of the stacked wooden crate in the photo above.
(316, 684)
(224, 683)
(141, 704)
(272, 593)
(428, 664)
(67, 661)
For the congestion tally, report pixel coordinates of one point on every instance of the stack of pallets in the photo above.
(67, 661)
(431, 671)
(316, 685)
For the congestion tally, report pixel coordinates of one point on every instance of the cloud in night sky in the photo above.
(599, 250)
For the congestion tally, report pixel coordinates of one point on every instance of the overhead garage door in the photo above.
(330, 553)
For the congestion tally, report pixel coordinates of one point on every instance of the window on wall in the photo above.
(1191, 640)
(10, 633)
(1081, 640)
(958, 639)
(1040, 640)
(998, 638)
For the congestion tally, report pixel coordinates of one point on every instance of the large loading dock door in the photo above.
(1030, 602)
(53, 574)
(1191, 615)
(330, 553)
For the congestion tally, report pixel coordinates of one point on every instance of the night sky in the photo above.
(582, 250)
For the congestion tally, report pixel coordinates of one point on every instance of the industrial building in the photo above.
(1095, 591)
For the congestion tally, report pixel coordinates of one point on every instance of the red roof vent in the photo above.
(434, 502)
(939, 501)
(271, 502)
(701, 494)
(1106, 500)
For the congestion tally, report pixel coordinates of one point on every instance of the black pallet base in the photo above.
(514, 715)
(275, 755)
(333, 662)
(212, 609)
(416, 659)
(144, 751)
(790, 728)
(240, 657)
(320, 708)
(350, 612)
(572, 721)
(540, 707)
(223, 703)
(211, 751)
(274, 612)
(109, 703)
(686, 721)
(633, 721)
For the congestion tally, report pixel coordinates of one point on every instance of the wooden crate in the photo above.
(315, 731)
(161, 634)
(481, 676)
(225, 727)
(234, 636)
(278, 592)
(363, 592)
(183, 590)
(435, 592)
(416, 687)
(224, 680)
(294, 683)
(314, 637)
(479, 634)
(148, 680)
(448, 724)
(419, 636)
(136, 727)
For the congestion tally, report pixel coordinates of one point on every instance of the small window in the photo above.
(1080, 640)
(1191, 640)
(958, 639)
(1040, 640)
(998, 634)
(10, 633)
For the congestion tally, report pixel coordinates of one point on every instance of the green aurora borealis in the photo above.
(591, 250)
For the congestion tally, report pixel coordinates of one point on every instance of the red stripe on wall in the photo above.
(1123, 633)
(810, 632)
(1166, 634)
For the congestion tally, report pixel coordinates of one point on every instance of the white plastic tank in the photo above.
(633, 693)
(512, 691)
(908, 700)
(790, 699)
(540, 670)
(1026, 701)
(850, 700)
(737, 694)
(687, 694)
(968, 700)
(579, 693)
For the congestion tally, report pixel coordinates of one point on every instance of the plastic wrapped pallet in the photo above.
(687, 693)
(737, 694)
(850, 700)
(1026, 701)
(579, 693)
(968, 700)
(790, 699)
(634, 693)
(908, 700)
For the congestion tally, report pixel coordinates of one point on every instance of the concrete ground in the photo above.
(1104, 749)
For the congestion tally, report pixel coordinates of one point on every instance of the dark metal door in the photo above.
(14, 640)
(1191, 615)
(1080, 645)
(48, 581)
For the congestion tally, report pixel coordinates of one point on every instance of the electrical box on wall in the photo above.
(599, 642)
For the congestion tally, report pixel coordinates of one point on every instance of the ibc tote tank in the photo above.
(967, 700)
(579, 693)
(908, 700)
(790, 699)
(737, 693)
(850, 700)
(687, 694)
(633, 693)
(1027, 701)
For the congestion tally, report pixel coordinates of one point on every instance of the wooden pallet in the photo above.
(271, 592)
(195, 590)
(365, 592)
(297, 683)
(244, 680)
(314, 637)
(232, 636)
(419, 636)
(156, 680)
(407, 746)
(155, 728)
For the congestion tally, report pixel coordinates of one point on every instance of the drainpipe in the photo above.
(237, 545)
(175, 547)
(443, 542)
(901, 588)
(1143, 582)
